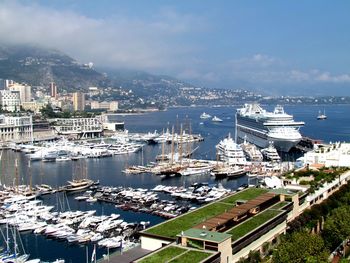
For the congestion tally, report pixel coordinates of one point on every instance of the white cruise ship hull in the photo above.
(261, 139)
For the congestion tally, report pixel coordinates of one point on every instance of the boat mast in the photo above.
(180, 146)
(30, 176)
(172, 146)
(236, 127)
(16, 173)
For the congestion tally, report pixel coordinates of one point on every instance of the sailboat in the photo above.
(79, 184)
(321, 116)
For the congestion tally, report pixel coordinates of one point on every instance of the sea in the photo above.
(109, 170)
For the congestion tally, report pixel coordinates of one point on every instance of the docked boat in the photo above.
(230, 152)
(228, 171)
(252, 152)
(216, 119)
(259, 126)
(321, 116)
(78, 185)
(270, 153)
(205, 116)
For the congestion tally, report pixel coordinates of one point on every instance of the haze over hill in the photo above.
(275, 48)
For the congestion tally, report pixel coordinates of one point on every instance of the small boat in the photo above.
(216, 119)
(321, 116)
(63, 158)
(205, 116)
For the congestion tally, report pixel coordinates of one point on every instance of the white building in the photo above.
(337, 154)
(25, 91)
(104, 105)
(79, 127)
(16, 128)
(10, 100)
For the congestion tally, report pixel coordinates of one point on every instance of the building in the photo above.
(17, 129)
(33, 106)
(79, 127)
(53, 90)
(78, 101)
(337, 154)
(25, 91)
(10, 100)
(104, 105)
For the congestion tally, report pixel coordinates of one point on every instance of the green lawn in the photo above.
(252, 223)
(247, 194)
(191, 257)
(164, 255)
(174, 227)
(279, 205)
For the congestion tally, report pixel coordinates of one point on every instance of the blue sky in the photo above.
(280, 47)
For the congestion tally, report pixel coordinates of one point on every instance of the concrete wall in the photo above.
(256, 245)
(152, 243)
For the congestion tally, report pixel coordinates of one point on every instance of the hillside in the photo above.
(39, 66)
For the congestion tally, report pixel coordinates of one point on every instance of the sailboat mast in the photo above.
(30, 176)
(172, 146)
(16, 174)
(180, 146)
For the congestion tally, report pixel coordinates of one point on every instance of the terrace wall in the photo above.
(258, 232)
(257, 244)
(153, 243)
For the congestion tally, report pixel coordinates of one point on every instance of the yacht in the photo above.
(252, 152)
(270, 153)
(321, 116)
(230, 152)
(260, 127)
(205, 116)
(216, 119)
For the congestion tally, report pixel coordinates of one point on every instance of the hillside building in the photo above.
(53, 90)
(25, 91)
(78, 101)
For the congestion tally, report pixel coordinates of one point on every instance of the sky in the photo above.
(278, 47)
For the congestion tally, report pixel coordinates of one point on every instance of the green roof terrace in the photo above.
(171, 228)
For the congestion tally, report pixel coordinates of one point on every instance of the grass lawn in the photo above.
(247, 194)
(249, 225)
(164, 255)
(191, 257)
(174, 227)
(279, 205)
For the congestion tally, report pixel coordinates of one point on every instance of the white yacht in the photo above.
(205, 116)
(259, 127)
(321, 116)
(230, 152)
(252, 152)
(271, 153)
(216, 119)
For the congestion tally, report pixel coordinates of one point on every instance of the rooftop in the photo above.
(176, 254)
(173, 227)
(205, 235)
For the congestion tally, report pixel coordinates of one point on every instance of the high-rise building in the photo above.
(53, 90)
(78, 101)
(25, 91)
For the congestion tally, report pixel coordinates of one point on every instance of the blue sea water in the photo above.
(109, 170)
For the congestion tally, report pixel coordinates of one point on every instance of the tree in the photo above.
(300, 247)
(337, 227)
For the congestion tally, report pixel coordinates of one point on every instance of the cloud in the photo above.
(119, 41)
(316, 75)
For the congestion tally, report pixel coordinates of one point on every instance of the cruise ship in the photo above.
(260, 127)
